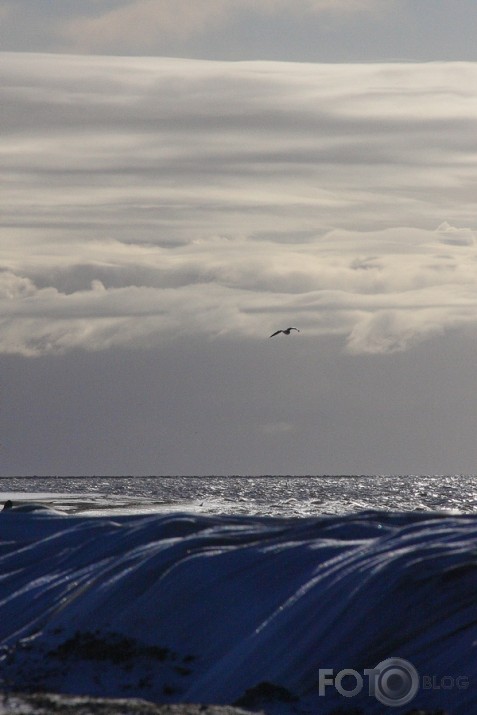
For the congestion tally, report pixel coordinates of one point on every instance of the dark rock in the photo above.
(265, 692)
(87, 645)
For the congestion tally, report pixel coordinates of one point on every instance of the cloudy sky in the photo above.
(181, 179)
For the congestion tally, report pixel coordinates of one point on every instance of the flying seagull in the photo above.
(285, 332)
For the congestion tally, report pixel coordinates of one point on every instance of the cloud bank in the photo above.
(145, 199)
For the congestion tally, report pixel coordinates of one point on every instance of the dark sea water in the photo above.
(181, 589)
(282, 496)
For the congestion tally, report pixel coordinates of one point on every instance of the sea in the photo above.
(311, 595)
(267, 495)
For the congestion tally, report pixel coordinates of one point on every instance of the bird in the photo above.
(285, 332)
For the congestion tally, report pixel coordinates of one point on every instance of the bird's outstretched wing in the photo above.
(273, 334)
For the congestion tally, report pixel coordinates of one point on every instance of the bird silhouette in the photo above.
(285, 332)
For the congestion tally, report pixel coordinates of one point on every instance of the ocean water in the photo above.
(278, 496)
(183, 589)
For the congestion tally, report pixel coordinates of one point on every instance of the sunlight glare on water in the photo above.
(280, 496)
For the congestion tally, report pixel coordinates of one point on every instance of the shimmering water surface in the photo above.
(270, 495)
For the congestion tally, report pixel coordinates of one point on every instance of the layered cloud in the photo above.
(147, 198)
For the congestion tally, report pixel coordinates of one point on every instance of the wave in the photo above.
(258, 611)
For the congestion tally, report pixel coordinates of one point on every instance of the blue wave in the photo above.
(191, 608)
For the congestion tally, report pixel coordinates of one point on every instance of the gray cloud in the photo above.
(305, 30)
(144, 199)
(144, 25)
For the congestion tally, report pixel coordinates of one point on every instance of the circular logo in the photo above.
(396, 682)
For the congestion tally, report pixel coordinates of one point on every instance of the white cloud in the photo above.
(388, 331)
(147, 198)
(456, 236)
(141, 23)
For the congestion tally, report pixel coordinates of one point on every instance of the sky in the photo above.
(180, 180)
